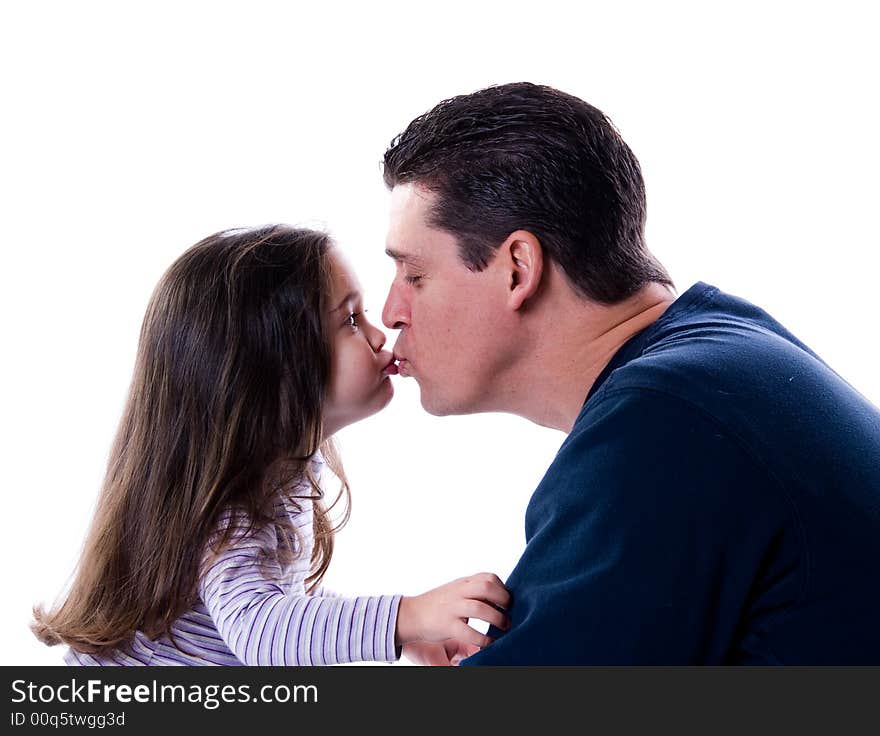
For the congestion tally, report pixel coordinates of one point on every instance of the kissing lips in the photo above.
(402, 363)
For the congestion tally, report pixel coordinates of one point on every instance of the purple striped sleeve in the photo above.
(266, 621)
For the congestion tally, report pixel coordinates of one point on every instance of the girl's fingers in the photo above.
(488, 587)
(469, 635)
(457, 650)
(433, 655)
(485, 612)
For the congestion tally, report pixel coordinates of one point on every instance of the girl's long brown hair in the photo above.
(224, 411)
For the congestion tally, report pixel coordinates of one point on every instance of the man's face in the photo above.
(455, 337)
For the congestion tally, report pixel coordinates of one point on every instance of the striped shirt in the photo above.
(247, 614)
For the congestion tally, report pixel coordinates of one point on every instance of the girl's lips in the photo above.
(390, 369)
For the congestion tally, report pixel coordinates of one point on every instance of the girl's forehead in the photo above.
(343, 280)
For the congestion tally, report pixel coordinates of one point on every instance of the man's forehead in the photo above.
(409, 234)
(410, 207)
(411, 199)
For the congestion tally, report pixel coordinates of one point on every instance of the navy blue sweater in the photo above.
(717, 502)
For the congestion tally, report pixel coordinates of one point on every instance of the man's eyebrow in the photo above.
(405, 258)
(352, 296)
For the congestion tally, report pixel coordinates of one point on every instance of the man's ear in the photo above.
(525, 263)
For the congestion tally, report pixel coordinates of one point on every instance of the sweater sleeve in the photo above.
(322, 592)
(647, 540)
(263, 623)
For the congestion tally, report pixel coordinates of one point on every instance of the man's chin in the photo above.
(429, 403)
(438, 407)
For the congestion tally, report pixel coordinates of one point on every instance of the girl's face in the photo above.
(360, 383)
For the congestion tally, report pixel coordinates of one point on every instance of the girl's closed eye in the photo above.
(412, 280)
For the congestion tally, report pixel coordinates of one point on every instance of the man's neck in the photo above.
(572, 345)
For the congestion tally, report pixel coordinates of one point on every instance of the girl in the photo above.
(211, 535)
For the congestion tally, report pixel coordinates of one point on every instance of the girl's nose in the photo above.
(377, 338)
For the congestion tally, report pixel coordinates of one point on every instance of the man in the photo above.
(717, 499)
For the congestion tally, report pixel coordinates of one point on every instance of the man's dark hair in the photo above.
(528, 157)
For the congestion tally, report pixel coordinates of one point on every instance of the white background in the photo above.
(130, 131)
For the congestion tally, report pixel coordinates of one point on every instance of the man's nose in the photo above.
(395, 314)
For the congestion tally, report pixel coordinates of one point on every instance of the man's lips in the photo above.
(402, 364)
(403, 367)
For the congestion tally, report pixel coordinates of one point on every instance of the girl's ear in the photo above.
(524, 262)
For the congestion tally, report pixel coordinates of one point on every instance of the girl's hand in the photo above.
(443, 613)
(444, 654)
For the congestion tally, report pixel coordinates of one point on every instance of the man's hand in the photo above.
(443, 613)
